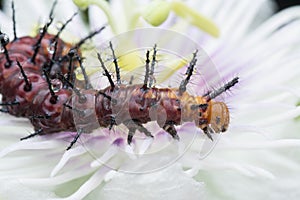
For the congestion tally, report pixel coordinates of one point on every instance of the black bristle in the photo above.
(80, 112)
(92, 34)
(68, 106)
(70, 74)
(88, 84)
(28, 85)
(52, 9)
(222, 89)
(54, 97)
(189, 72)
(55, 38)
(115, 60)
(111, 82)
(81, 42)
(145, 86)
(63, 27)
(14, 20)
(151, 73)
(79, 132)
(4, 40)
(42, 34)
(82, 97)
(108, 97)
(38, 132)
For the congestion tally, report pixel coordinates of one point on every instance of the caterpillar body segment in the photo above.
(37, 81)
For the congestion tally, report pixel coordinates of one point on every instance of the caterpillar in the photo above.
(46, 92)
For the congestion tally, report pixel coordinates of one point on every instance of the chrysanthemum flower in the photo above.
(255, 159)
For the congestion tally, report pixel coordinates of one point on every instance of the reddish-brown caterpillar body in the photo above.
(47, 95)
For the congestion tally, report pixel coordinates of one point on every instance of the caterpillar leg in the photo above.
(131, 133)
(38, 132)
(142, 129)
(134, 125)
(131, 80)
(207, 131)
(46, 116)
(170, 128)
(10, 103)
(79, 132)
(112, 122)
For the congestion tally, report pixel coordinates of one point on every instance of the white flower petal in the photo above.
(66, 157)
(170, 183)
(5, 25)
(94, 181)
(9, 187)
(25, 22)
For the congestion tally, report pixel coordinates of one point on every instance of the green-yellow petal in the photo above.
(298, 105)
(83, 4)
(103, 5)
(193, 17)
(156, 12)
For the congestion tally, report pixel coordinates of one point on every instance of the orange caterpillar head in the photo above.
(211, 116)
(214, 116)
(218, 116)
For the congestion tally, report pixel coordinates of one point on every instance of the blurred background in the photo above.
(286, 3)
(281, 3)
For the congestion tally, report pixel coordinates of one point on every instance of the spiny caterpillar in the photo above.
(51, 108)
